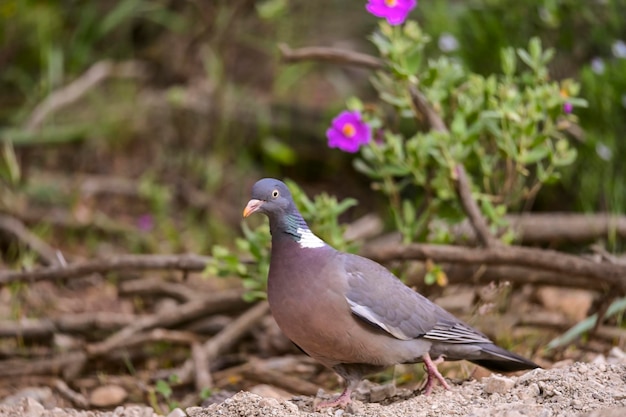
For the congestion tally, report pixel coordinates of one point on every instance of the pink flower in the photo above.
(145, 223)
(348, 132)
(568, 107)
(395, 11)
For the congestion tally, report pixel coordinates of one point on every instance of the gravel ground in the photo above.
(581, 389)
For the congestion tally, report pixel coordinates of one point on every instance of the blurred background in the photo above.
(139, 126)
(195, 104)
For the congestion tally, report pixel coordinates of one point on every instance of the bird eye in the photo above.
(275, 193)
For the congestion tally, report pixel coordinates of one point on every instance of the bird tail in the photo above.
(498, 359)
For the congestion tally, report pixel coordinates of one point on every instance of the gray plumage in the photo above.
(352, 314)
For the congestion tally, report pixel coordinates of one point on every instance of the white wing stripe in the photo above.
(367, 314)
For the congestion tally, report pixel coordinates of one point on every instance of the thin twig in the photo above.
(157, 286)
(16, 228)
(76, 398)
(278, 379)
(464, 190)
(275, 371)
(158, 335)
(70, 93)
(186, 262)
(201, 364)
(333, 55)
(422, 106)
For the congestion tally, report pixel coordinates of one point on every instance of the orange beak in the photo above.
(252, 206)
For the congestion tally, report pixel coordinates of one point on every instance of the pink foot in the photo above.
(341, 401)
(433, 372)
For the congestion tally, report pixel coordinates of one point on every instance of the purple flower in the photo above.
(568, 107)
(145, 223)
(395, 11)
(348, 132)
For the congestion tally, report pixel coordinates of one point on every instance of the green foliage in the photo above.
(253, 272)
(507, 130)
(164, 390)
(251, 260)
(584, 36)
(323, 214)
(617, 307)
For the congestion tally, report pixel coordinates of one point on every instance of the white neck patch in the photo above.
(309, 240)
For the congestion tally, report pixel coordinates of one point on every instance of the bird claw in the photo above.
(433, 373)
(342, 401)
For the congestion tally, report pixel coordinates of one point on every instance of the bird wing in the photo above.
(379, 298)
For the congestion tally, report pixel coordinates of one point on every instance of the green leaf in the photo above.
(163, 388)
(430, 278)
(123, 10)
(355, 104)
(534, 47)
(278, 151)
(584, 326)
(524, 56)
(509, 61)
(533, 155)
(382, 43)
(271, 9)
(364, 168)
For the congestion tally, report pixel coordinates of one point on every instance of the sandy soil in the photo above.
(580, 389)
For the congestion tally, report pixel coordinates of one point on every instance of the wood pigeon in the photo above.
(352, 314)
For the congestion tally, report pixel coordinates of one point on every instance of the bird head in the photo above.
(269, 196)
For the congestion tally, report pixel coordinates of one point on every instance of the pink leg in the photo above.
(431, 370)
(341, 401)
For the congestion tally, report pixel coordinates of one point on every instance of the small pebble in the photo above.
(107, 396)
(577, 404)
(531, 392)
(355, 407)
(268, 402)
(32, 406)
(177, 412)
(290, 406)
(192, 411)
(498, 384)
(380, 392)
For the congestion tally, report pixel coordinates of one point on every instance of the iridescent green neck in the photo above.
(294, 226)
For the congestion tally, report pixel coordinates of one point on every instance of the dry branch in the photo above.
(16, 228)
(187, 262)
(464, 190)
(229, 300)
(287, 382)
(333, 55)
(267, 371)
(72, 323)
(203, 379)
(64, 363)
(70, 93)
(75, 397)
(157, 286)
(224, 340)
(158, 335)
(534, 228)
(519, 275)
(423, 107)
(543, 259)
